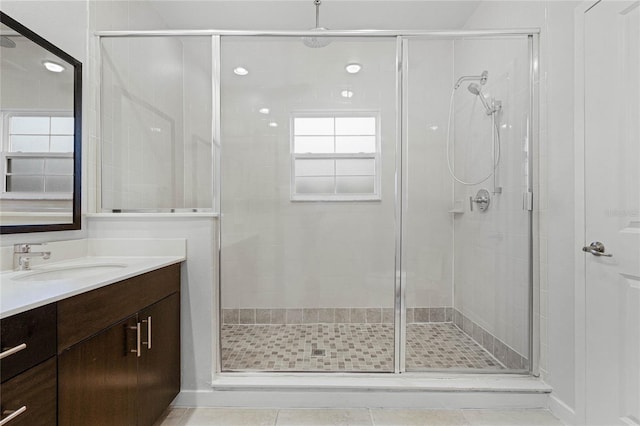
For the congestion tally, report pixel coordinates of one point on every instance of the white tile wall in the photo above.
(283, 254)
(428, 243)
(491, 248)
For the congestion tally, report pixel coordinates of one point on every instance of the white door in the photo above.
(612, 192)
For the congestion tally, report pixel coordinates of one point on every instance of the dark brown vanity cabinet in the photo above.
(159, 363)
(28, 368)
(119, 351)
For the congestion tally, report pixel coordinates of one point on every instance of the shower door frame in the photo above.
(402, 37)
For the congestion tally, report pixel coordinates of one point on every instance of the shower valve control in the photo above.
(482, 199)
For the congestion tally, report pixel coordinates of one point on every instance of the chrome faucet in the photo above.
(22, 255)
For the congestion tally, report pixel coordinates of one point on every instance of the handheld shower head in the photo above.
(475, 89)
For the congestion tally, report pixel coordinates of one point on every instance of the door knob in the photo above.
(596, 248)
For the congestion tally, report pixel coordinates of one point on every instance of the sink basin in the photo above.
(70, 272)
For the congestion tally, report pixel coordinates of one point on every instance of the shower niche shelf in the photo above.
(458, 207)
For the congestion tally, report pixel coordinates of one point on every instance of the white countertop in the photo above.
(18, 296)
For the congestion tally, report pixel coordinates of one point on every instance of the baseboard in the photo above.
(563, 411)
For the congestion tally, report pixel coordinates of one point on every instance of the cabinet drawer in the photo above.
(35, 389)
(86, 314)
(37, 330)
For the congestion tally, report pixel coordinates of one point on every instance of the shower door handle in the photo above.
(596, 248)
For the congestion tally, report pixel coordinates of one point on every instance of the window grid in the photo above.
(342, 181)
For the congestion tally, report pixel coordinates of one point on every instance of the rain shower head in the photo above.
(316, 41)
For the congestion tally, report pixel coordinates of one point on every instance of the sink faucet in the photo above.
(22, 255)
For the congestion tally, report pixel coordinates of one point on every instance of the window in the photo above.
(335, 157)
(37, 157)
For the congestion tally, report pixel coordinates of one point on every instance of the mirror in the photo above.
(40, 133)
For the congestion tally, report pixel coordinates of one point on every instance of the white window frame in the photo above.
(6, 154)
(376, 195)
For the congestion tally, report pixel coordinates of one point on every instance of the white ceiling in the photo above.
(300, 14)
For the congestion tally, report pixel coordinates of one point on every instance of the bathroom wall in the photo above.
(492, 248)
(64, 24)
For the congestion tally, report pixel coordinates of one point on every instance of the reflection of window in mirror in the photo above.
(37, 157)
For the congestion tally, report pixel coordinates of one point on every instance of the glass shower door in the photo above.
(466, 255)
(307, 204)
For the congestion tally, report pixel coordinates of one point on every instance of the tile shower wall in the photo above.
(156, 123)
(428, 224)
(492, 247)
(333, 315)
(490, 343)
(280, 254)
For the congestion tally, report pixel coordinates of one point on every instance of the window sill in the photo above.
(52, 196)
(337, 198)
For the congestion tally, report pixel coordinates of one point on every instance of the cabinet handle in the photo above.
(137, 351)
(12, 351)
(12, 414)
(148, 342)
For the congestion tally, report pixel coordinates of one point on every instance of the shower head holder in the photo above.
(482, 78)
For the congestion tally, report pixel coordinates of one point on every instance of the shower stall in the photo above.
(374, 189)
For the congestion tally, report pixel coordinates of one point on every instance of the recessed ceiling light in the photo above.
(353, 68)
(240, 71)
(53, 66)
(263, 110)
(346, 94)
(273, 124)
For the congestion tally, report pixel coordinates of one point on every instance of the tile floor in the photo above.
(348, 347)
(353, 417)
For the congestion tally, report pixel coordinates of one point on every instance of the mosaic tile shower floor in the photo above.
(348, 347)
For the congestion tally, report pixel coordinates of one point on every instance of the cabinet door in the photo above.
(97, 378)
(159, 363)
